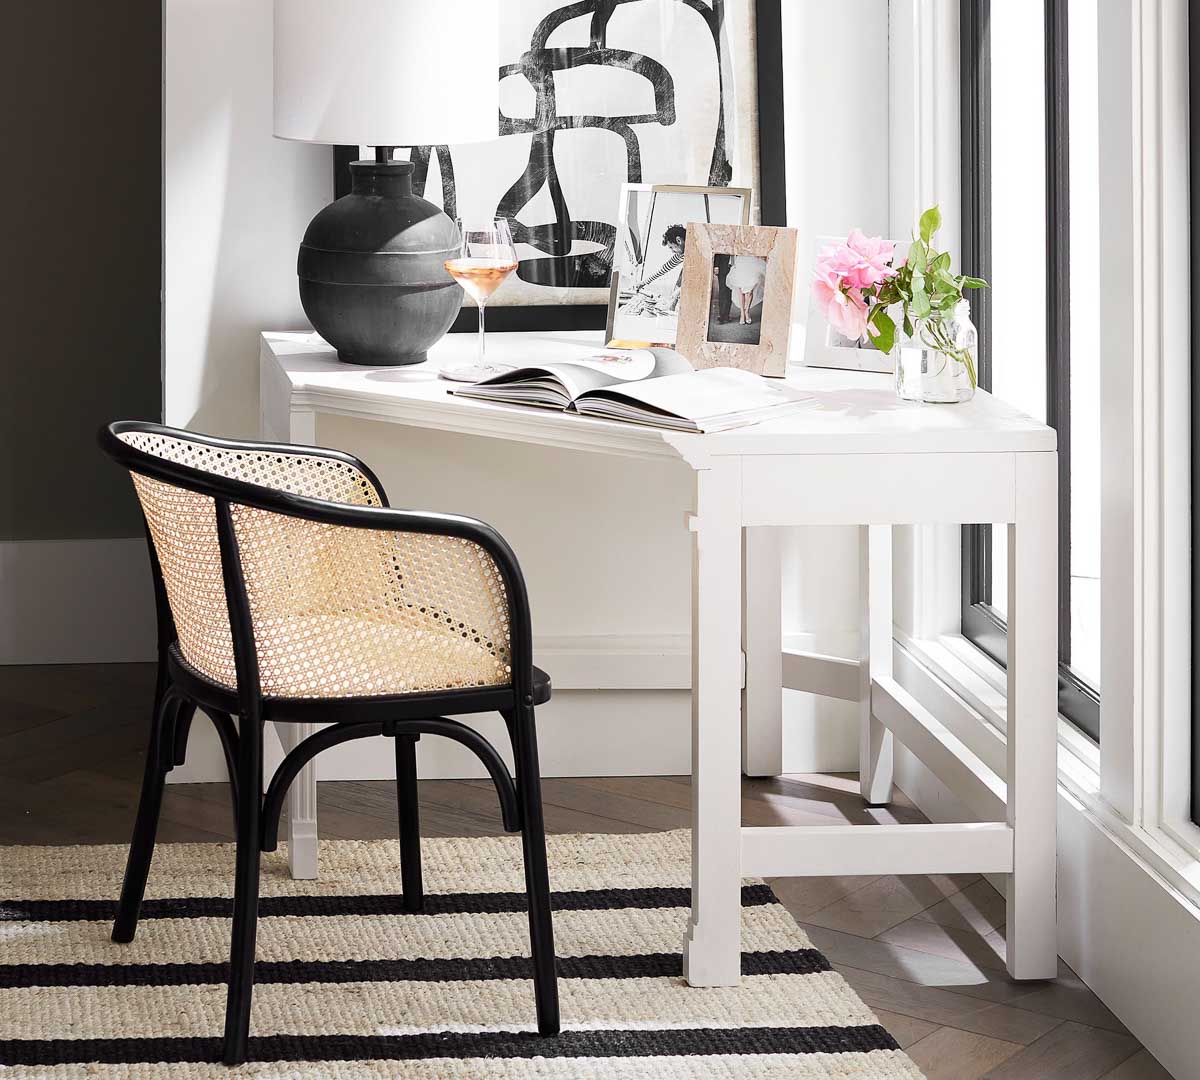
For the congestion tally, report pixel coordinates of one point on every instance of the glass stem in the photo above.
(482, 337)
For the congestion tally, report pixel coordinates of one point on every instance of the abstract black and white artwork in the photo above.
(595, 94)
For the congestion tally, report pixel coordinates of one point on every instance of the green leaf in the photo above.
(974, 283)
(918, 256)
(882, 330)
(944, 281)
(908, 326)
(941, 263)
(930, 222)
(920, 303)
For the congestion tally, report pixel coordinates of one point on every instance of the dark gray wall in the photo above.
(80, 263)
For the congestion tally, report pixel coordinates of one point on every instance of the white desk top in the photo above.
(850, 412)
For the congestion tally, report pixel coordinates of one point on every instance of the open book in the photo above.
(655, 387)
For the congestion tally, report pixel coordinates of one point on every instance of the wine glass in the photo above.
(485, 258)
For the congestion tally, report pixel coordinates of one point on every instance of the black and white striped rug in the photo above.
(350, 986)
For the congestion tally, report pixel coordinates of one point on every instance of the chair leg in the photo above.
(145, 826)
(245, 894)
(410, 822)
(537, 880)
(183, 728)
(228, 736)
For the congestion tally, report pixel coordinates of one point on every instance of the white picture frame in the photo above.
(824, 347)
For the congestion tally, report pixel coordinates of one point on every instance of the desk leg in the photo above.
(302, 798)
(762, 643)
(301, 806)
(712, 947)
(1033, 717)
(875, 743)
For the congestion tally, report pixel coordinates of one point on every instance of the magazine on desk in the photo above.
(654, 387)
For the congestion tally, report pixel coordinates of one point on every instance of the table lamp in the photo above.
(384, 73)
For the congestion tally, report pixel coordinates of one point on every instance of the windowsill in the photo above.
(982, 685)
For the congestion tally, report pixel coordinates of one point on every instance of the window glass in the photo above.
(1018, 233)
(1085, 343)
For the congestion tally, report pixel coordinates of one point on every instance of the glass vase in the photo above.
(938, 364)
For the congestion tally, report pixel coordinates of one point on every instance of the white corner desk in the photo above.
(851, 455)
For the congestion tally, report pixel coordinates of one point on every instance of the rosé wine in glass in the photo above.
(485, 258)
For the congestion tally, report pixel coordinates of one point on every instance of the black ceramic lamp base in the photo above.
(373, 280)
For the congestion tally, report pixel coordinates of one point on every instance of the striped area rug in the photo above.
(350, 986)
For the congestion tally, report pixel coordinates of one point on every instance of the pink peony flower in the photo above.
(844, 310)
(874, 257)
(843, 272)
(861, 262)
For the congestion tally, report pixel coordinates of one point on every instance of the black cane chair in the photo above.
(288, 590)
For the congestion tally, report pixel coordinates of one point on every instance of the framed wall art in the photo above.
(595, 94)
(643, 303)
(736, 304)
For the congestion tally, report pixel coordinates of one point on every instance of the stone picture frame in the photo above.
(763, 349)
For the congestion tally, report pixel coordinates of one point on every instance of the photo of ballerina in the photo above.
(735, 303)
(735, 308)
(648, 260)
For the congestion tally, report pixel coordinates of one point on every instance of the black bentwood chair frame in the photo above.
(212, 493)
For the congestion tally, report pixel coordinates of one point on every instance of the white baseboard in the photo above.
(1121, 927)
(75, 602)
(580, 733)
(621, 707)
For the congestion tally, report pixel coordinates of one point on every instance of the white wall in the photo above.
(837, 178)
(237, 202)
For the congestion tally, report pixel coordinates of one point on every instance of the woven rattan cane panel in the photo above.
(337, 611)
(370, 612)
(301, 474)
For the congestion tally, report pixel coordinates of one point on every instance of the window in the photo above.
(1028, 203)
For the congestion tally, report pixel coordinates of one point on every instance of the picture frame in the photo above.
(647, 262)
(751, 327)
(546, 165)
(824, 347)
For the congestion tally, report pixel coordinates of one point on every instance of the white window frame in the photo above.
(1137, 781)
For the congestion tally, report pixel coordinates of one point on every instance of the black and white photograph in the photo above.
(735, 309)
(648, 262)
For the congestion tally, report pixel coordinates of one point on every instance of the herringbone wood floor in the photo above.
(927, 954)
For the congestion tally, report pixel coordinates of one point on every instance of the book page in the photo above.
(701, 395)
(561, 382)
(574, 378)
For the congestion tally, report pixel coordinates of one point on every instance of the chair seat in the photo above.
(361, 705)
(342, 656)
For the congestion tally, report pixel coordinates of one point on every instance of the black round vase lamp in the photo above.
(372, 270)
(383, 73)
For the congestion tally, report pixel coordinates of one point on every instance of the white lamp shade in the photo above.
(387, 72)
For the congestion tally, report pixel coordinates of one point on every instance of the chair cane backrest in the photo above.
(336, 610)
